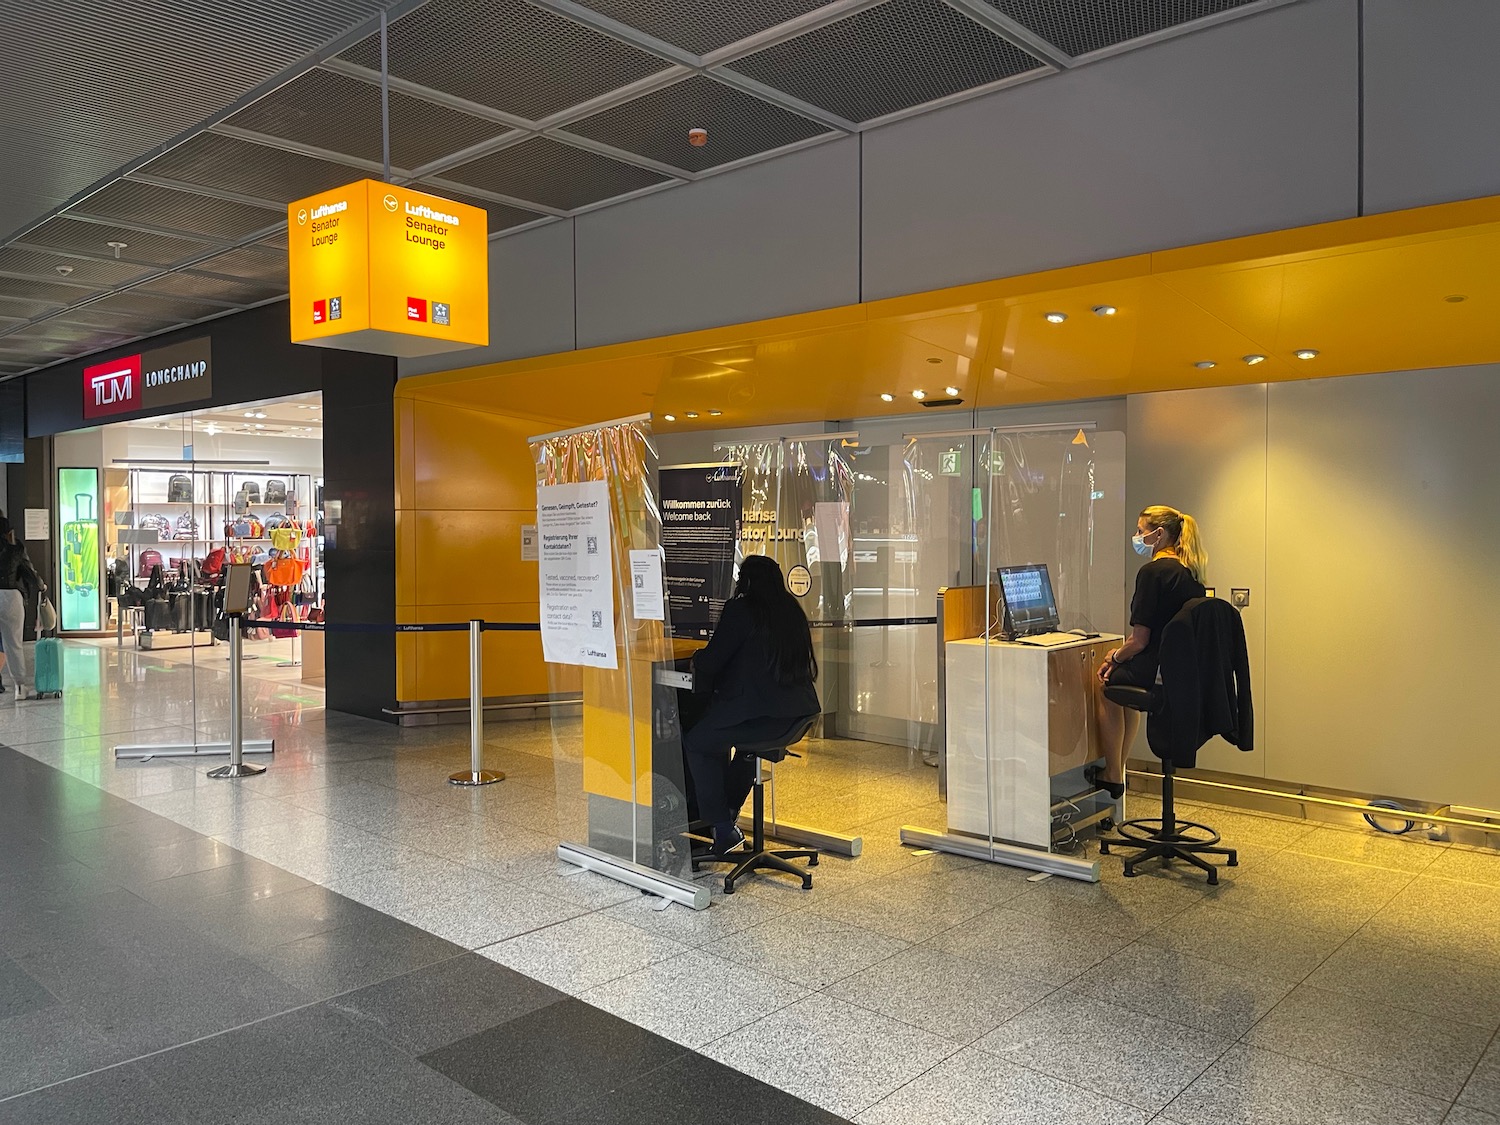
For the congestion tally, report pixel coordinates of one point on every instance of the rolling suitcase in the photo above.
(48, 670)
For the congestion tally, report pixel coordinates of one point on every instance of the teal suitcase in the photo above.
(48, 673)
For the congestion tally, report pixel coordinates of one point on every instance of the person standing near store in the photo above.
(760, 669)
(18, 581)
(1173, 577)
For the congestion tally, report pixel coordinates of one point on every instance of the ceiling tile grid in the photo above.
(569, 105)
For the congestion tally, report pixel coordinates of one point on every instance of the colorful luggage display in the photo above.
(48, 671)
(81, 548)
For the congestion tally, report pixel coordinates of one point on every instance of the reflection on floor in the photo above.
(1337, 976)
(278, 659)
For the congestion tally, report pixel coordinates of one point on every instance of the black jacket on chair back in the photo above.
(736, 667)
(1205, 683)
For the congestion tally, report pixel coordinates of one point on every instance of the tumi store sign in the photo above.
(161, 377)
(384, 269)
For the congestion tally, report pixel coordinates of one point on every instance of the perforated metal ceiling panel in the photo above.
(888, 58)
(501, 216)
(702, 27)
(128, 77)
(94, 239)
(252, 262)
(1081, 26)
(80, 271)
(160, 312)
(186, 283)
(657, 125)
(264, 173)
(342, 114)
(507, 55)
(128, 204)
(552, 174)
(24, 308)
(41, 291)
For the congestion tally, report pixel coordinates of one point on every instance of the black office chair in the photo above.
(1168, 837)
(758, 858)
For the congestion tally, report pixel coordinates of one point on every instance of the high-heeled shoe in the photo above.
(1092, 774)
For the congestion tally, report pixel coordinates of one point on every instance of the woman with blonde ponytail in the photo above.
(1173, 577)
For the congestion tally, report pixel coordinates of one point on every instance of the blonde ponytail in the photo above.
(1182, 529)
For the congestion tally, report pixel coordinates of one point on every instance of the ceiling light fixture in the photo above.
(933, 359)
(1105, 310)
(249, 414)
(887, 398)
(1306, 353)
(953, 392)
(117, 247)
(63, 271)
(258, 426)
(715, 413)
(1057, 317)
(692, 414)
(1252, 360)
(670, 417)
(260, 414)
(919, 395)
(1452, 299)
(1205, 364)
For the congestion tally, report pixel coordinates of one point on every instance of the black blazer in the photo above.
(735, 666)
(1205, 683)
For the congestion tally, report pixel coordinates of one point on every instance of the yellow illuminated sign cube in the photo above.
(385, 269)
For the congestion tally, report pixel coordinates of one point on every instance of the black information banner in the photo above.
(700, 525)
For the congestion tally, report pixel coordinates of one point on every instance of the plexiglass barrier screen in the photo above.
(619, 766)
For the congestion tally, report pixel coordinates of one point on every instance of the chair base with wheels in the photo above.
(758, 857)
(1166, 838)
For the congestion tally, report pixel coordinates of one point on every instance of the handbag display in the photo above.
(275, 491)
(159, 616)
(150, 558)
(186, 527)
(179, 489)
(282, 570)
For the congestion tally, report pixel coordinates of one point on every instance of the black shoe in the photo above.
(726, 842)
(1115, 789)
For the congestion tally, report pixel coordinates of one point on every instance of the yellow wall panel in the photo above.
(471, 459)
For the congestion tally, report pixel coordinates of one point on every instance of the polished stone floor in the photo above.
(1337, 976)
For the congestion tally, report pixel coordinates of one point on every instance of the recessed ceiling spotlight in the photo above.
(1306, 353)
(919, 395)
(715, 413)
(249, 414)
(1252, 360)
(934, 359)
(65, 270)
(1105, 310)
(887, 398)
(1205, 364)
(1057, 317)
(260, 414)
(692, 414)
(952, 392)
(670, 417)
(1452, 299)
(258, 426)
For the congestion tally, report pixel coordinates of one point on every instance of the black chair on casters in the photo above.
(758, 858)
(1205, 690)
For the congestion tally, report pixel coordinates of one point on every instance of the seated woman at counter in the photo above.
(1172, 578)
(759, 667)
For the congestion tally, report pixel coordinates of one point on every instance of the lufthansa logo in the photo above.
(302, 217)
(390, 202)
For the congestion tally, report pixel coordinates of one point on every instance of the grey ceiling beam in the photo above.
(1007, 28)
(623, 32)
(426, 93)
(266, 140)
(225, 194)
(800, 25)
(760, 90)
(620, 154)
(960, 96)
(140, 227)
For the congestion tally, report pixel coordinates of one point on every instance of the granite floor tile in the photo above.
(1312, 892)
(1121, 906)
(1130, 1057)
(1396, 853)
(474, 921)
(908, 912)
(1217, 932)
(541, 1066)
(567, 883)
(249, 924)
(726, 915)
(1404, 977)
(1483, 1088)
(248, 880)
(1251, 1087)
(1184, 989)
(1346, 1033)
(989, 883)
(835, 1055)
(1449, 917)
(583, 952)
(440, 1004)
(120, 1095)
(694, 1089)
(808, 949)
(1467, 1115)
(49, 1045)
(1469, 865)
(20, 993)
(354, 956)
(977, 1088)
(951, 996)
(1029, 945)
(694, 998)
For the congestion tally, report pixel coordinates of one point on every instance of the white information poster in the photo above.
(831, 520)
(646, 586)
(38, 524)
(577, 578)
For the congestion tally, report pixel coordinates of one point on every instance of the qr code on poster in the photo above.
(593, 544)
(598, 618)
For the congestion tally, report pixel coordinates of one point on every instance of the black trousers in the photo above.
(723, 782)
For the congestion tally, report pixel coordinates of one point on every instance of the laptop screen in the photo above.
(1026, 593)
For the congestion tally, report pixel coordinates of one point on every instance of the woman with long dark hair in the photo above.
(759, 667)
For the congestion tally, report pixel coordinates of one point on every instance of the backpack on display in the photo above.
(251, 491)
(186, 529)
(150, 558)
(162, 525)
(275, 491)
(180, 489)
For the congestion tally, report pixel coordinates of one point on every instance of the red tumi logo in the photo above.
(416, 308)
(320, 312)
(113, 387)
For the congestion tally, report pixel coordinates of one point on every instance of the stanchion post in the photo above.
(476, 774)
(237, 766)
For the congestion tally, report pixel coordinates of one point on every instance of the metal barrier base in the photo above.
(475, 777)
(238, 769)
(193, 750)
(633, 874)
(789, 833)
(1012, 855)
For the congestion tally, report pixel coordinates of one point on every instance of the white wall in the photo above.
(1362, 513)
